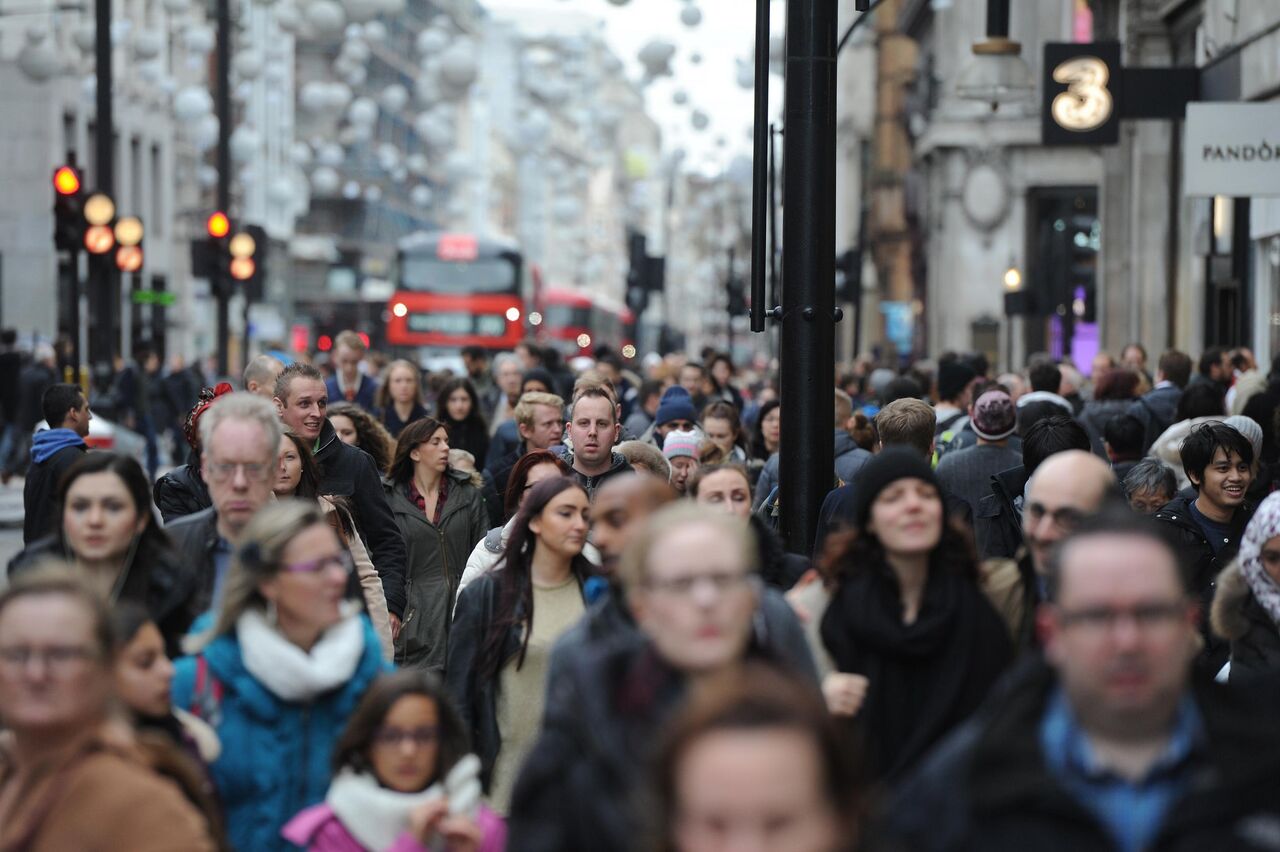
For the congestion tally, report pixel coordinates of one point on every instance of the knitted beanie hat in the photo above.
(886, 468)
(681, 443)
(994, 417)
(676, 404)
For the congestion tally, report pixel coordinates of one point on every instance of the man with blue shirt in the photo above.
(1110, 746)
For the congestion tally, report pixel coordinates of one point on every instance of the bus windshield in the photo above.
(424, 273)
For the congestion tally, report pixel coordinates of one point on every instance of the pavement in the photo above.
(11, 512)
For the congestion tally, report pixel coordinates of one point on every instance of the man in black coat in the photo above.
(346, 471)
(1207, 529)
(1112, 745)
(53, 450)
(10, 399)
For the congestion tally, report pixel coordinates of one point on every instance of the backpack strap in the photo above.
(206, 701)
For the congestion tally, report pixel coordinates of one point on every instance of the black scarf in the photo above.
(925, 677)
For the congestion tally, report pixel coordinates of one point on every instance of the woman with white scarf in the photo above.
(1246, 603)
(404, 780)
(281, 670)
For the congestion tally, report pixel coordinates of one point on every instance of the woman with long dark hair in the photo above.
(106, 530)
(441, 515)
(506, 623)
(299, 476)
(403, 778)
(915, 643)
(459, 409)
(766, 437)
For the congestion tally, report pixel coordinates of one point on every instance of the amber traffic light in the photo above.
(218, 225)
(66, 181)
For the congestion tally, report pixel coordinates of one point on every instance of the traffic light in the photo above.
(737, 296)
(129, 233)
(99, 215)
(68, 218)
(849, 276)
(637, 273)
(242, 247)
(253, 285)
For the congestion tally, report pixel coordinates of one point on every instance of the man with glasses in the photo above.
(1066, 487)
(62, 784)
(691, 590)
(1111, 745)
(240, 437)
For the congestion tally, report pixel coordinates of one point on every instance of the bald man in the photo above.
(260, 376)
(1066, 488)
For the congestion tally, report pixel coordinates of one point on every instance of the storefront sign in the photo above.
(1232, 150)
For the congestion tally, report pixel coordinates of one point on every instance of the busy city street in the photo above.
(639, 425)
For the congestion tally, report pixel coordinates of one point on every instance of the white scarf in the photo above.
(1264, 526)
(376, 816)
(289, 672)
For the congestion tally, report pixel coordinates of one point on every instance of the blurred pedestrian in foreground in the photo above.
(403, 778)
(65, 781)
(53, 450)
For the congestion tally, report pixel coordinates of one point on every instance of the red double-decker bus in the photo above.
(455, 290)
(576, 322)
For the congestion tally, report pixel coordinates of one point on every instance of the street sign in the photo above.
(1232, 149)
(1081, 88)
(153, 297)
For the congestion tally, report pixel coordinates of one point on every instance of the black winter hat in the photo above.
(952, 378)
(886, 468)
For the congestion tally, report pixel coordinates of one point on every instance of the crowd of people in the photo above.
(531, 607)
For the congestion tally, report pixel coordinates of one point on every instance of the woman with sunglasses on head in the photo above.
(440, 515)
(107, 531)
(280, 671)
(403, 778)
(506, 623)
(299, 476)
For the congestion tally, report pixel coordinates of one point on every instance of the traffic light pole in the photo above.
(103, 290)
(808, 268)
(219, 280)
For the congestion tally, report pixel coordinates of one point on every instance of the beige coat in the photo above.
(96, 797)
(375, 599)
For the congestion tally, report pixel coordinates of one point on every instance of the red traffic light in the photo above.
(66, 181)
(129, 258)
(98, 239)
(218, 225)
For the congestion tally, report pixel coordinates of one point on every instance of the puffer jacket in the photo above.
(181, 492)
(437, 558)
(275, 753)
(1237, 617)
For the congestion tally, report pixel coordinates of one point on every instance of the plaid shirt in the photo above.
(421, 501)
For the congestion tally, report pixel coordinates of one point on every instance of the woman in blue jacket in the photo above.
(278, 675)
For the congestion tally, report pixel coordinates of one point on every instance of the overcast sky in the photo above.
(726, 33)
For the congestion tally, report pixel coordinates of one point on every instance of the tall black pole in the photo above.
(730, 285)
(808, 268)
(220, 281)
(759, 188)
(103, 289)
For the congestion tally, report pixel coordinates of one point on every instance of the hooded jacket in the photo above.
(275, 753)
(618, 465)
(1156, 409)
(181, 492)
(437, 557)
(52, 452)
(350, 472)
(1238, 618)
(987, 787)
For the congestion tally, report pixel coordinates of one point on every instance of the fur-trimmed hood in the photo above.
(1229, 617)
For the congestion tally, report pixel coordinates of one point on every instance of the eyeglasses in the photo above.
(59, 659)
(418, 737)
(1066, 518)
(341, 561)
(253, 471)
(720, 582)
(1103, 619)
